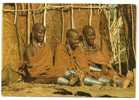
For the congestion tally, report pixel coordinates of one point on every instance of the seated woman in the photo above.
(76, 57)
(38, 65)
(38, 60)
(99, 59)
(97, 55)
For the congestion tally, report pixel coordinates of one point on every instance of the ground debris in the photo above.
(63, 92)
(29, 89)
(82, 93)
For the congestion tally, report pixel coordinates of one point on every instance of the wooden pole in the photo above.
(126, 41)
(119, 53)
(62, 33)
(33, 14)
(17, 34)
(112, 32)
(44, 21)
(111, 37)
(133, 32)
(90, 16)
(28, 25)
(109, 27)
(52, 7)
(119, 25)
(15, 17)
(133, 37)
(72, 18)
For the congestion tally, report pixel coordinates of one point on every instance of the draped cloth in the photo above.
(40, 61)
(101, 56)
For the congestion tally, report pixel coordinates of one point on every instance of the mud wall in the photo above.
(11, 57)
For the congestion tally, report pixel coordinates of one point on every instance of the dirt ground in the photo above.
(28, 89)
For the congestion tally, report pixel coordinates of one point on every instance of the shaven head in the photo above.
(38, 31)
(73, 38)
(89, 34)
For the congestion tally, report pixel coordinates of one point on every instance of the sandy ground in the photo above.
(27, 89)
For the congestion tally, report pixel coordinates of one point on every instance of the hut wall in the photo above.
(53, 27)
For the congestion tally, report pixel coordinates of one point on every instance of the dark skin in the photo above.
(39, 36)
(90, 36)
(73, 39)
(38, 33)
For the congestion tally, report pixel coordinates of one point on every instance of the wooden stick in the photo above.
(119, 54)
(15, 18)
(113, 28)
(17, 34)
(119, 44)
(111, 38)
(28, 25)
(119, 25)
(62, 33)
(110, 33)
(44, 21)
(72, 18)
(51, 7)
(33, 14)
(126, 41)
(101, 38)
(132, 22)
(133, 38)
(121, 51)
(90, 16)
